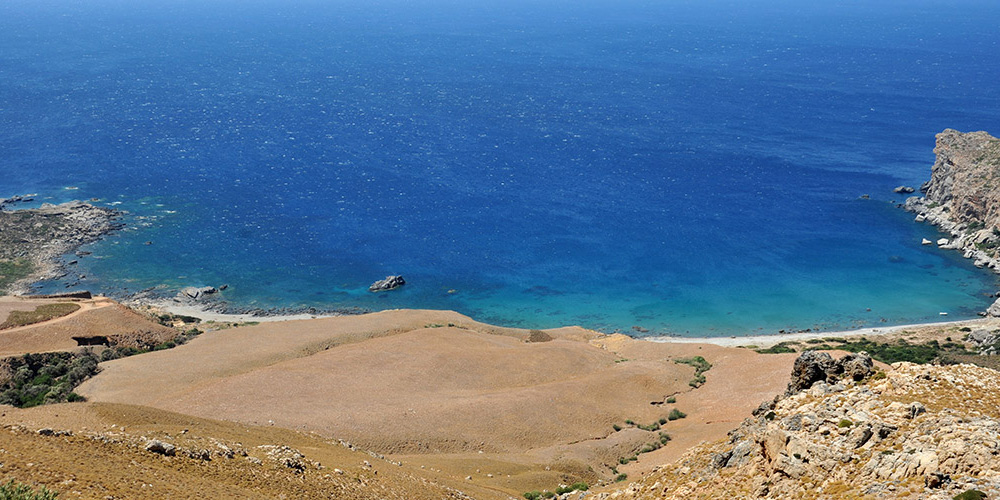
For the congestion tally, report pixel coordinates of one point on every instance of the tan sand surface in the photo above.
(770, 340)
(95, 317)
(468, 399)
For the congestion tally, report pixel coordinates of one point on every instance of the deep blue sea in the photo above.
(689, 167)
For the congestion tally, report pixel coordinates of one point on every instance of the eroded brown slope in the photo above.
(98, 451)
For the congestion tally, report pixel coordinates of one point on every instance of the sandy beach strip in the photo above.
(197, 312)
(772, 339)
(731, 341)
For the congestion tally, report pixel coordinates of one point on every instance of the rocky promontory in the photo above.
(963, 196)
(33, 240)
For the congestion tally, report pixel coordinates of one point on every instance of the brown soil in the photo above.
(103, 457)
(99, 316)
(468, 400)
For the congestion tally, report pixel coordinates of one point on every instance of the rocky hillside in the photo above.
(963, 197)
(913, 431)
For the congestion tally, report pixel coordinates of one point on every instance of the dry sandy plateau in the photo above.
(396, 404)
(466, 408)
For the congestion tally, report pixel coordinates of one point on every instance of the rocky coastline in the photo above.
(962, 198)
(38, 238)
(210, 301)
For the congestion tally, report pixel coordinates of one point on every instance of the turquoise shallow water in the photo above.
(687, 168)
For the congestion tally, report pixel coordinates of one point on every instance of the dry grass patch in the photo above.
(40, 314)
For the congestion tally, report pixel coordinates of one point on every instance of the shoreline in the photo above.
(64, 228)
(210, 316)
(770, 340)
(758, 341)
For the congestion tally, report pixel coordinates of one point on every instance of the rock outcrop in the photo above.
(918, 431)
(965, 175)
(963, 196)
(40, 236)
(815, 366)
(389, 283)
(195, 293)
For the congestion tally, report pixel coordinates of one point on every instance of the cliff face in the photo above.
(963, 197)
(966, 177)
(918, 431)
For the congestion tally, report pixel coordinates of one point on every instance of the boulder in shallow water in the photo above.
(389, 283)
(195, 293)
(903, 190)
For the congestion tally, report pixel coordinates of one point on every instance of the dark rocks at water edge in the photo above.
(903, 190)
(4, 202)
(195, 293)
(41, 236)
(389, 283)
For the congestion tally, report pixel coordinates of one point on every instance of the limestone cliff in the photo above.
(966, 178)
(963, 197)
(914, 431)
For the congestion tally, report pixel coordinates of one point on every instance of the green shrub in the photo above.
(621, 477)
(662, 421)
(902, 350)
(700, 367)
(47, 378)
(17, 491)
(616, 427)
(844, 423)
(970, 495)
(664, 438)
(548, 494)
(671, 400)
(651, 427)
(13, 270)
(580, 487)
(533, 495)
(779, 348)
(676, 414)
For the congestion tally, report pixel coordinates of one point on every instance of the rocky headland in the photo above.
(32, 241)
(962, 197)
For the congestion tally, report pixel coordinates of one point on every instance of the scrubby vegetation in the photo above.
(902, 350)
(13, 270)
(700, 367)
(779, 348)
(115, 352)
(535, 495)
(35, 379)
(14, 490)
(41, 313)
(887, 352)
(676, 414)
(168, 319)
(971, 495)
